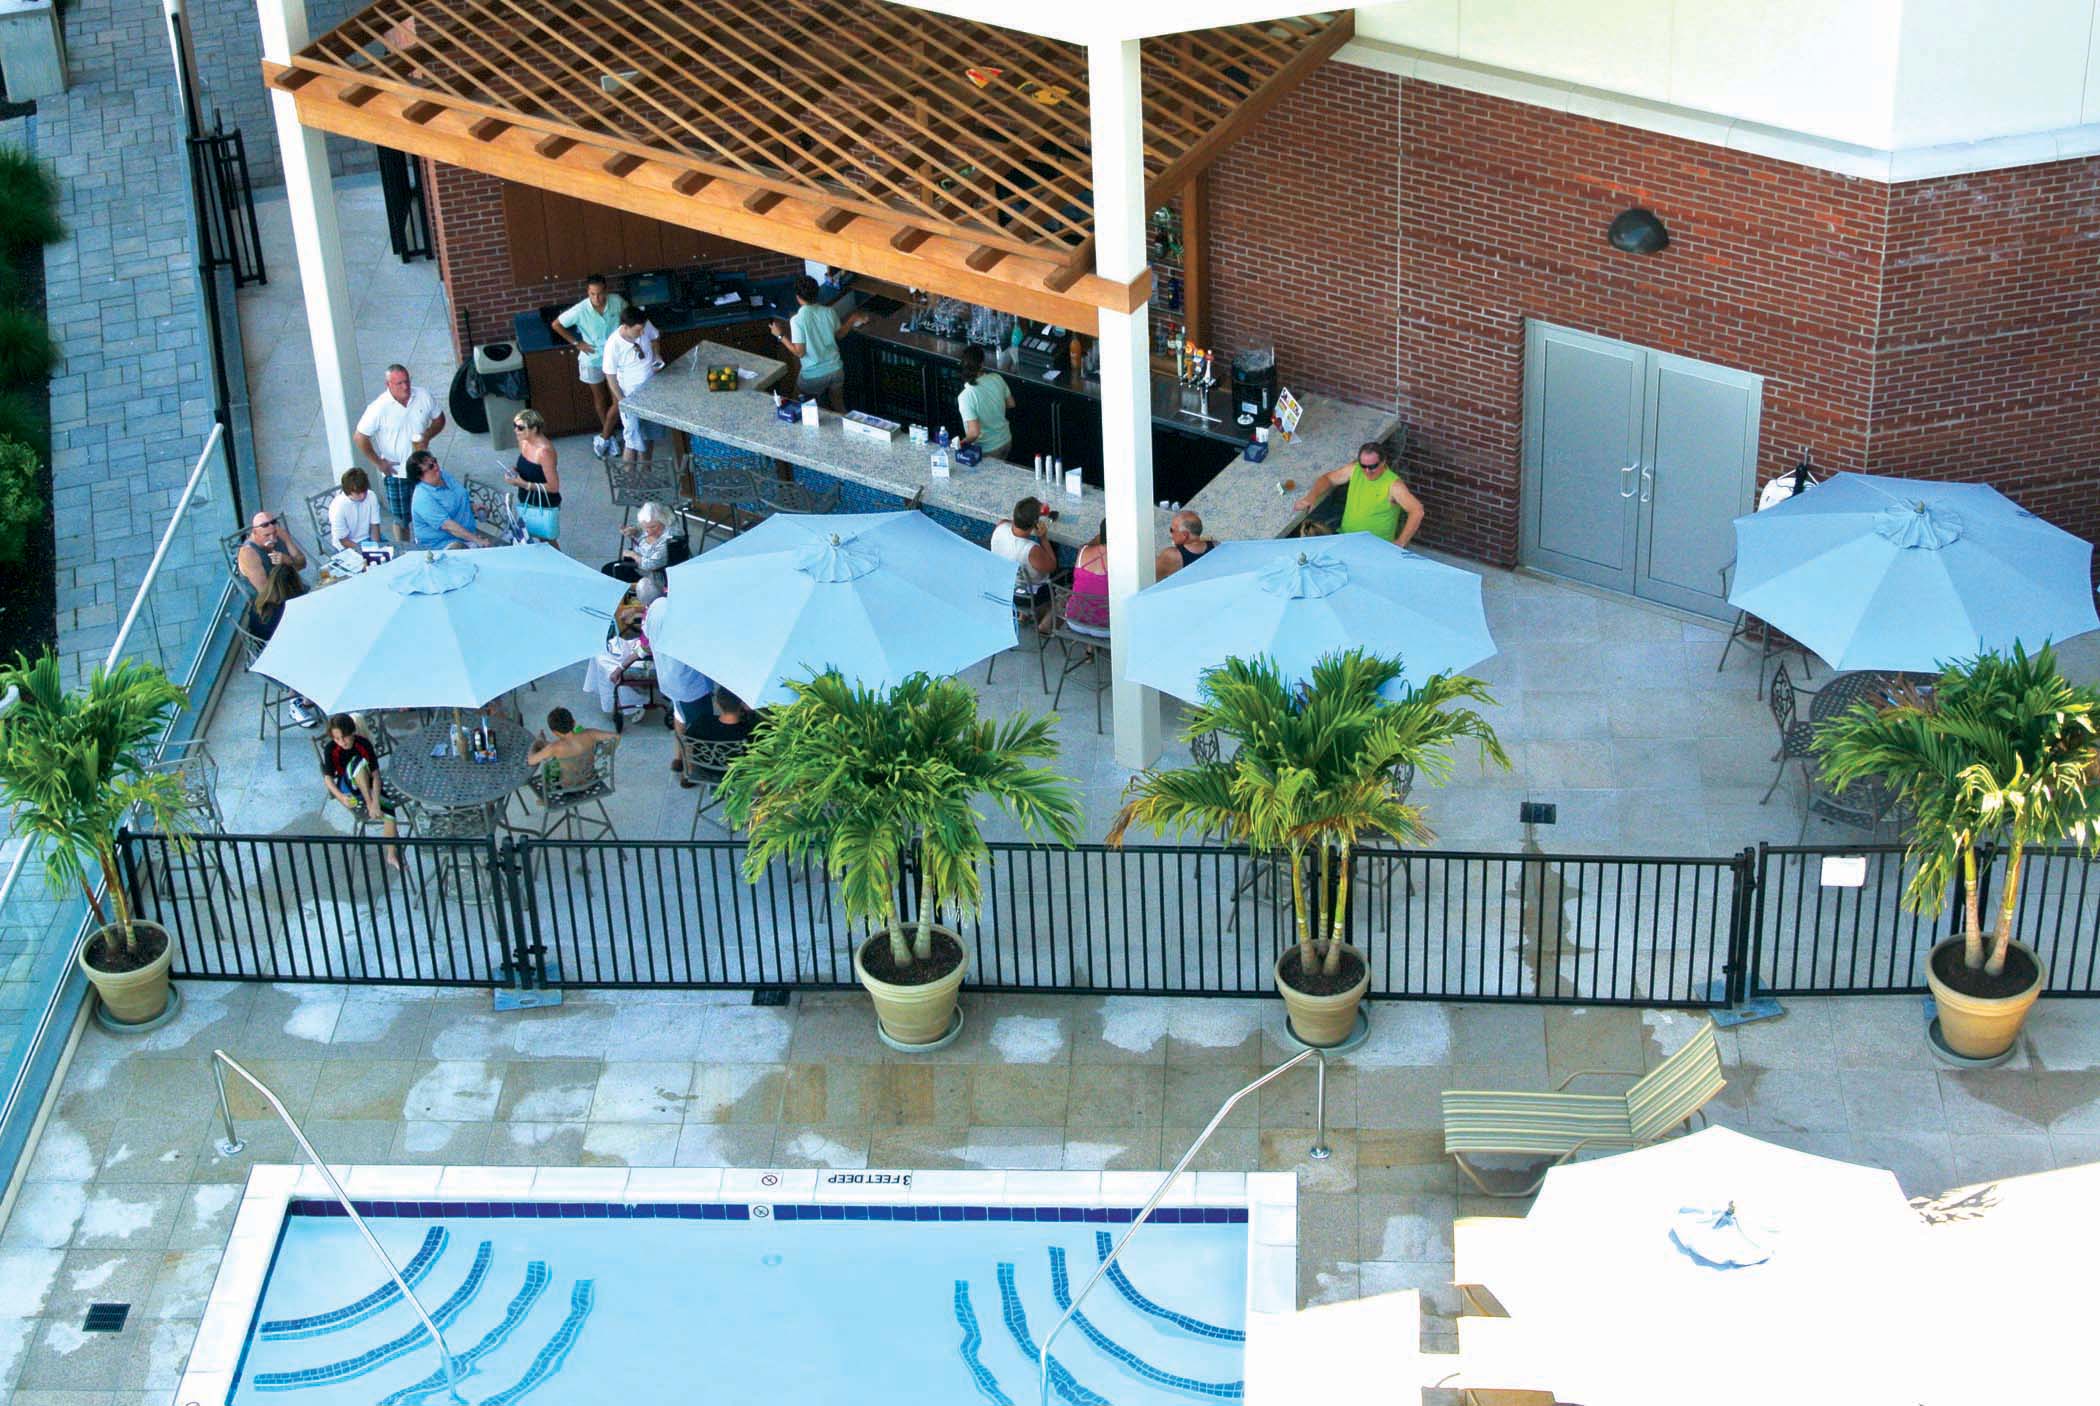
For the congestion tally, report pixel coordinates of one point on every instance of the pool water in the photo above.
(749, 1304)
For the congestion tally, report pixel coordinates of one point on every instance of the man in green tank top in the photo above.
(1379, 500)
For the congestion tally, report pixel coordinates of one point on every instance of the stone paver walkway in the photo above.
(130, 405)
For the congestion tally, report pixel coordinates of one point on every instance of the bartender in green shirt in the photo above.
(983, 403)
(1379, 501)
(812, 334)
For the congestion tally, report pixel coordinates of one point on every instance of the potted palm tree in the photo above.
(73, 769)
(869, 780)
(2002, 750)
(1316, 770)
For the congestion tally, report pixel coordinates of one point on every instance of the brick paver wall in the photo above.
(1989, 359)
(466, 220)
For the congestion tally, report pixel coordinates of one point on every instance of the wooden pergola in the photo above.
(938, 152)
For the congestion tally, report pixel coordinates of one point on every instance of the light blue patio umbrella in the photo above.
(877, 596)
(441, 629)
(1296, 600)
(1904, 575)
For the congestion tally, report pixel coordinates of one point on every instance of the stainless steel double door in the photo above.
(1636, 463)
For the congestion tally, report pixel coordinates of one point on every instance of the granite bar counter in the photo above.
(1245, 501)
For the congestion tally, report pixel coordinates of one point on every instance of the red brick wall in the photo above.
(1988, 365)
(1392, 238)
(1772, 268)
(1306, 238)
(466, 219)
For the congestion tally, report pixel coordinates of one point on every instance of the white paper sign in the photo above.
(1844, 871)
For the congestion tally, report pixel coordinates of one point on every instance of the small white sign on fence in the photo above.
(1844, 871)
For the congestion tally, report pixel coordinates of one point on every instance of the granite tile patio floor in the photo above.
(128, 1198)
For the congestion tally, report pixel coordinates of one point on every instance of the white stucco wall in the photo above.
(1877, 74)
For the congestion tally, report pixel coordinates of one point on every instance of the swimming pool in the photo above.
(871, 1288)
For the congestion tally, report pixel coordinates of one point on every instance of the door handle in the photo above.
(1627, 491)
(1647, 485)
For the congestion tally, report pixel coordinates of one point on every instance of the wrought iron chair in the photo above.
(725, 501)
(1082, 646)
(317, 517)
(230, 544)
(1769, 641)
(494, 512)
(706, 762)
(449, 863)
(1796, 736)
(779, 496)
(643, 481)
(567, 807)
(192, 761)
(275, 709)
(1025, 633)
(1381, 854)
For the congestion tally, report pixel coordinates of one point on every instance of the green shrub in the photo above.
(28, 201)
(21, 498)
(27, 352)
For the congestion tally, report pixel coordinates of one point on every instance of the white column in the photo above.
(1126, 374)
(310, 192)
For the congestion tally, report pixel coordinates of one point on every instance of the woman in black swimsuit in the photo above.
(537, 480)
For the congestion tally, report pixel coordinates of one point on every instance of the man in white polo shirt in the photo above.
(587, 327)
(402, 419)
(630, 360)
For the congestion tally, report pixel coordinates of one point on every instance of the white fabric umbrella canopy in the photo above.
(441, 629)
(1905, 575)
(877, 596)
(1295, 600)
(1633, 1285)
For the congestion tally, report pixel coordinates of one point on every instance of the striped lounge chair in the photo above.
(1558, 1125)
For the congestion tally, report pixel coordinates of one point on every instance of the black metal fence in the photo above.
(1433, 924)
(226, 204)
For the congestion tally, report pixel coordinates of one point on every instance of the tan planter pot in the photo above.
(134, 997)
(1323, 1020)
(1982, 1027)
(913, 1015)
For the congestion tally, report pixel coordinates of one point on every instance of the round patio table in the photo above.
(452, 783)
(1836, 698)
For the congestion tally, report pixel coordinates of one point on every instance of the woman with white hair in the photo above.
(646, 549)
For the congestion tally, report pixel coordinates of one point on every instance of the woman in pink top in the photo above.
(1087, 610)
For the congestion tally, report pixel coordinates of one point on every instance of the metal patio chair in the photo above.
(780, 496)
(1770, 643)
(643, 481)
(317, 517)
(567, 807)
(494, 512)
(1081, 647)
(724, 503)
(1796, 735)
(274, 711)
(440, 865)
(706, 763)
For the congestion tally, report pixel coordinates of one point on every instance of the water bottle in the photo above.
(458, 743)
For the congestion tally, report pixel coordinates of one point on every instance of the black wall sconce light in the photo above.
(1638, 231)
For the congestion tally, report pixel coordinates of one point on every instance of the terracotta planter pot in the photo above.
(133, 997)
(1323, 1020)
(913, 1015)
(1982, 1027)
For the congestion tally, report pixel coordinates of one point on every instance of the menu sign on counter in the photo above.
(1288, 411)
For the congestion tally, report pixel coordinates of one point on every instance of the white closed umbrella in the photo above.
(876, 596)
(441, 629)
(1720, 1269)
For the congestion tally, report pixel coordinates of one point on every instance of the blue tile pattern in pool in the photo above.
(373, 1358)
(537, 1278)
(1061, 1290)
(1104, 1244)
(550, 1358)
(748, 1302)
(966, 1319)
(335, 1320)
(1017, 1324)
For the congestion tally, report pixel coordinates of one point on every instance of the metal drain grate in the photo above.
(106, 1317)
(769, 996)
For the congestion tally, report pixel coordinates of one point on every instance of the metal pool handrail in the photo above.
(1318, 1152)
(232, 1146)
